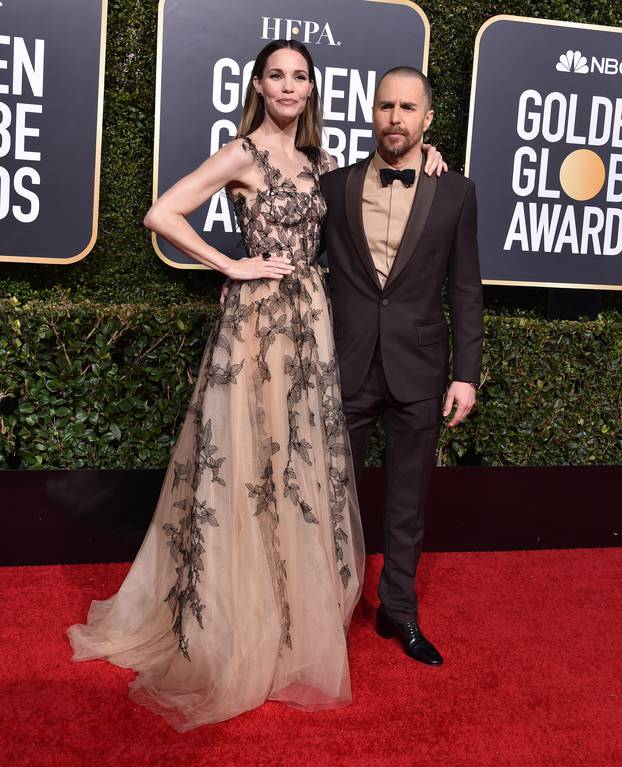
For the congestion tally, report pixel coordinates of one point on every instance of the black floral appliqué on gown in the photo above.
(245, 583)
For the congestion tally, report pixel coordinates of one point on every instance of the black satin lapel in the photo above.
(354, 214)
(426, 187)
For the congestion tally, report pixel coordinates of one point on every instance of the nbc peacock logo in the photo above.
(572, 61)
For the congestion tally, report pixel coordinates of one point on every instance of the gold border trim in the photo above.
(467, 163)
(158, 104)
(156, 142)
(98, 150)
(577, 285)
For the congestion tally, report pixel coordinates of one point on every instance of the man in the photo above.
(406, 235)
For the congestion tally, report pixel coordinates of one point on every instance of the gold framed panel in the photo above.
(546, 22)
(97, 170)
(158, 101)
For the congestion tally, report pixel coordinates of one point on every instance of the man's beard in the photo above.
(397, 150)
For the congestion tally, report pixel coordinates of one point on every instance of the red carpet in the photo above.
(533, 677)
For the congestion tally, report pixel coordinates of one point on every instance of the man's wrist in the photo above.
(471, 383)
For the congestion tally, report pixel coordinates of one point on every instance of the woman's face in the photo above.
(285, 85)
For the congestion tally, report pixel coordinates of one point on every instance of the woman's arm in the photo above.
(167, 216)
(434, 162)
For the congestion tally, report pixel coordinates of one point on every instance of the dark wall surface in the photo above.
(68, 517)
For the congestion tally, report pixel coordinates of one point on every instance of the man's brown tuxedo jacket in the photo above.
(439, 243)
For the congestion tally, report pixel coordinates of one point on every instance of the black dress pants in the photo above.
(411, 432)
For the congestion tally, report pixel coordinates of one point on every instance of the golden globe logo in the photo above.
(583, 174)
(308, 32)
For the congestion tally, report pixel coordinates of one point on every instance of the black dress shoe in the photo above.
(415, 645)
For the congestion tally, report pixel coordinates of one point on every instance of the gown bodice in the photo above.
(282, 219)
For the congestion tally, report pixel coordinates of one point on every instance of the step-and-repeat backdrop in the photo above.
(544, 144)
(545, 151)
(51, 99)
(205, 58)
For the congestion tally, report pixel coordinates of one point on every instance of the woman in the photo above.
(245, 584)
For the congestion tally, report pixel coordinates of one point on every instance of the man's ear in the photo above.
(429, 116)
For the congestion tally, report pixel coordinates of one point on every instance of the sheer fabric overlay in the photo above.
(246, 581)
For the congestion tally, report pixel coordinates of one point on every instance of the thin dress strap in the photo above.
(271, 174)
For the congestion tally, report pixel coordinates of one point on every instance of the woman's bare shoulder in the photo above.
(237, 153)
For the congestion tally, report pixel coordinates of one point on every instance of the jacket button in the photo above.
(385, 302)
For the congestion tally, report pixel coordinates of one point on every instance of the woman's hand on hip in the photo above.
(259, 268)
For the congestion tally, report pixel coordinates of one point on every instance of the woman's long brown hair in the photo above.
(309, 131)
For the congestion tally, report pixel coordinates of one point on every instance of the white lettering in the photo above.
(5, 192)
(528, 132)
(571, 138)
(289, 24)
(518, 229)
(548, 132)
(5, 136)
(19, 213)
(23, 64)
(229, 102)
(529, 174)
(310, 28)
(338, 147)
(22, 132)
(591, 231)
(218, 212)
(613, 177)
(613, 222)
(271, 32)
(326, 33)
(616, 128)
(542, 226)
(600, 103)
(216, 139)
(359, 96)
(331, 93)
(567, 232)
(355, 154)
(542, 176)
(598, 65)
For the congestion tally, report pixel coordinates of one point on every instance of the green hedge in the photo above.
(106, 386)
(86, 385)
(123, 267)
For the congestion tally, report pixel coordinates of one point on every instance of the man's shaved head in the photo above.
(401, 114)
(405, 71)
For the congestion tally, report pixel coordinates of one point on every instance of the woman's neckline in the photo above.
(282, 178)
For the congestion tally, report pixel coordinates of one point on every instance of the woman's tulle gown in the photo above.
(246, 581)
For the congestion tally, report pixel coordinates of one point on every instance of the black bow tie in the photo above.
(388, 176)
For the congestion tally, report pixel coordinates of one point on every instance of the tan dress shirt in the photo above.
(385, 213)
